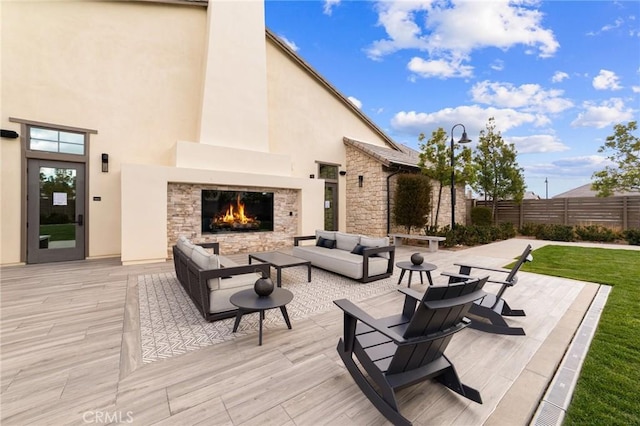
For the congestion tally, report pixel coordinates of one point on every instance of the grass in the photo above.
(608, 390)
(61, 232)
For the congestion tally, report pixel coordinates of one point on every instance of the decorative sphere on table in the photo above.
(417, 259)
(263, 286)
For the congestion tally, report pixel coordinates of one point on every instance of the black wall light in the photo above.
(105, 163)
(360, 180)
(343, 172)
(312, 176)
(9, 134)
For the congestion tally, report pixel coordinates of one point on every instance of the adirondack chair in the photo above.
(407, 348)
(493, 307)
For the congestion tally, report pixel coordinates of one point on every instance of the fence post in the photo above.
(521, 216)
(566, 211)
(625, 213)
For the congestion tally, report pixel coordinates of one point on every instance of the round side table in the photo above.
(248, 301)
(423, 267)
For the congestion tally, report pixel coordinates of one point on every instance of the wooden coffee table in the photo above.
(248, 301)
(423, 267)
(280, 260)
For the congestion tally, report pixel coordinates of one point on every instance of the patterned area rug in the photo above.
(171, 325)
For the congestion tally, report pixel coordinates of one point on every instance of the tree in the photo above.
(411, 201)
(498, 175)
(435, 163)
(625, 175)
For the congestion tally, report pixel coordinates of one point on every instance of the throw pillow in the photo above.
(326, 243)
(358, 249)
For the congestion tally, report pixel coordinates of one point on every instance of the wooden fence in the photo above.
(619, 213)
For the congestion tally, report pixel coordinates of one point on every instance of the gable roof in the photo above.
(329, 87)
(586, 191)
(403, 156)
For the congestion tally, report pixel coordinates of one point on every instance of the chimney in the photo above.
(234, 93)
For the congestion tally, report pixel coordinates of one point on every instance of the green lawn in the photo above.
(608, 390)
(62, 232)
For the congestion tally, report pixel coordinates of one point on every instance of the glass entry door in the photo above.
(330, 206)
(55, 211)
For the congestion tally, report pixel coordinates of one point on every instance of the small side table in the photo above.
(248, 301)
(423, 267)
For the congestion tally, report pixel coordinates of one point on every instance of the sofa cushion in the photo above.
(340, 261)
(326, 243)
(204, 259)
(185, 246)
(329, 235)
(376, 242)
(346, 241)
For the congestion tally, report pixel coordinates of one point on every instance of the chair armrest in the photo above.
(370, 251)
(353, 311)
(214, 246)
(413, 294)
(468, 277)
(296, 240)
(464, 265)
(206, 274)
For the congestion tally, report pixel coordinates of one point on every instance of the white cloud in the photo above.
(635, 89)
(327, 9)
(605, 114)
(454, 32)
(534, 144)
(473, 117)
(497, 65)
(289, 43)
(569, 167)
(606, 80)
(558, 76)
(355, 101)
(439, 68)
(529, 97)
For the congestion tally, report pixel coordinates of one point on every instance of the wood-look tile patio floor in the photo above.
(71, 355)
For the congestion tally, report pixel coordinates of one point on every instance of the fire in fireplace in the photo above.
(236, 211)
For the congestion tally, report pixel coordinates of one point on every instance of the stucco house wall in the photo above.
(136, 74)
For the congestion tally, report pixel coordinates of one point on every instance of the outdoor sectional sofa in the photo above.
(359, 257)
(210, 279)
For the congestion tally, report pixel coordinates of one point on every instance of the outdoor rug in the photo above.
(171, 325)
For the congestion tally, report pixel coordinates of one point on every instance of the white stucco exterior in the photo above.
(168, 103)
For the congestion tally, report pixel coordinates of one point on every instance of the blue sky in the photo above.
(556, 75)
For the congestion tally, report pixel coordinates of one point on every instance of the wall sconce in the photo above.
(9, 134)
(360, 180)
(105, 163)
(312, 176)
(343, 172)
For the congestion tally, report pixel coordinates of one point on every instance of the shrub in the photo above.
(481, 216)
(412, 201)
(529, 229)
(632, 236)
(555, 233)
(596, 233)
(472, 235)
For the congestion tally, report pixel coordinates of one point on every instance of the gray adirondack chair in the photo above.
(408, 348)
(493, 307)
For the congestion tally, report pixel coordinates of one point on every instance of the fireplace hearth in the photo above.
(236, 211)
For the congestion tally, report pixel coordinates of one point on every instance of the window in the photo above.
(328, 171)
(59, 141)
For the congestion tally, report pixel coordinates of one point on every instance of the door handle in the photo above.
(80, 221)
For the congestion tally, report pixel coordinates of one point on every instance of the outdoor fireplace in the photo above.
(236, 211)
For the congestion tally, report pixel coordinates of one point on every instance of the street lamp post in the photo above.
(463, 139)
(546, 188)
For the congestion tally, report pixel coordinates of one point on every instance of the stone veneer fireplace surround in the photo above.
(184, 217)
